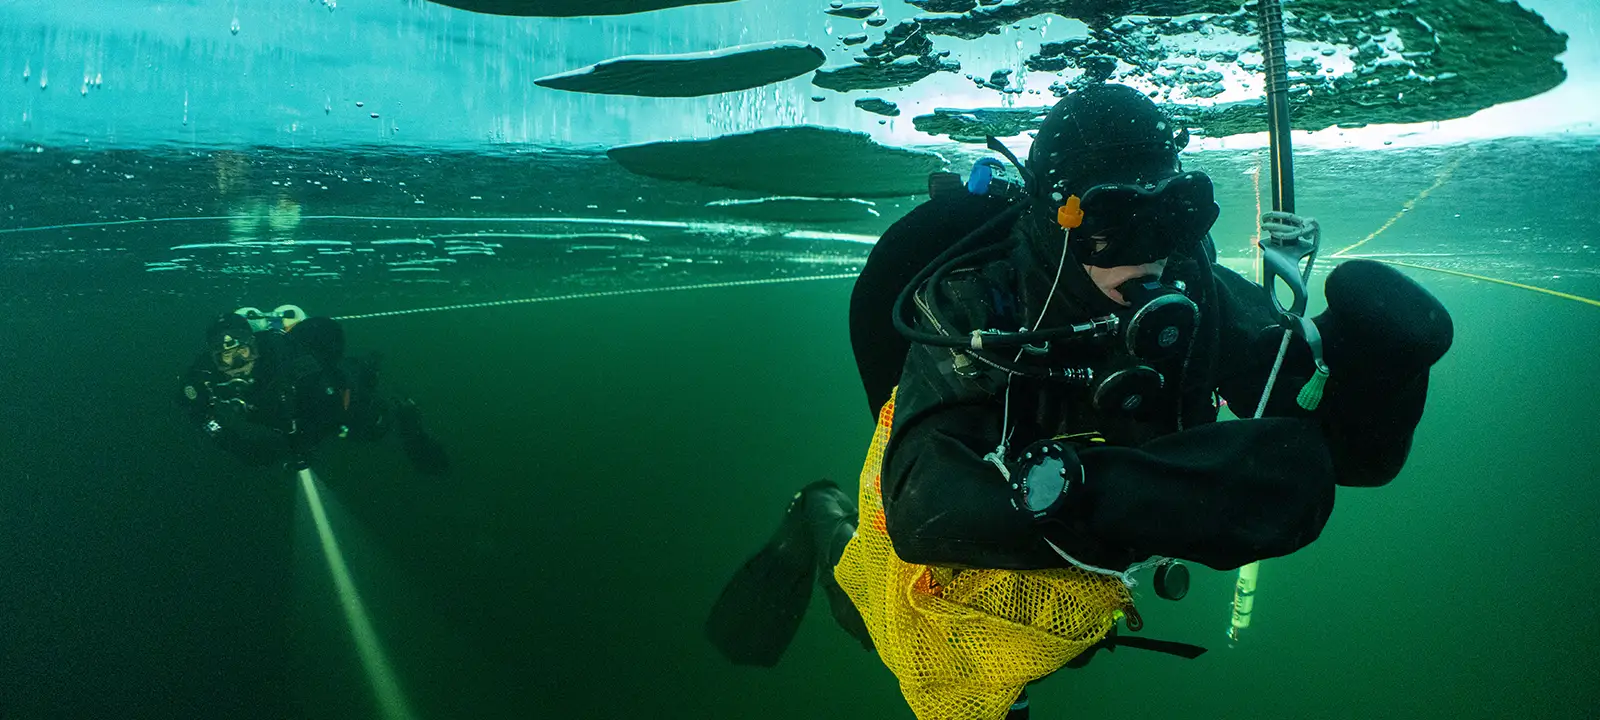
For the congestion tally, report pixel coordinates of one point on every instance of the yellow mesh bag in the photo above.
(963, 643)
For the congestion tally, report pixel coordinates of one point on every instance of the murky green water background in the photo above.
(618, 456)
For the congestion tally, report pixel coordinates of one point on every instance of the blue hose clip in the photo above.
(983, 174)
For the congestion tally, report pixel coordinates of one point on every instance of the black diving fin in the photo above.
(760, 609)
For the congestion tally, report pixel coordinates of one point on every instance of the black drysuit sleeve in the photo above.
(1369, 415)
(1222, 494)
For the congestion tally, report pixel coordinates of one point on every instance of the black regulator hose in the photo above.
(950, 259)
(939, 263)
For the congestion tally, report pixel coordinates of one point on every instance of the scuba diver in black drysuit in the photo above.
(1093, 442)
(271, 395)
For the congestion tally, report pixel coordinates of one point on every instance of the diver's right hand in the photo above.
(297, 462)
(300, 444)
(224, 416)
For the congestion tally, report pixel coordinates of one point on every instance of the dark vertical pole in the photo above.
(1277, 104)
(1271, 21)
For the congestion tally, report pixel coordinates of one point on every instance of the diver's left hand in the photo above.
(1289, 230)
(1381, 323)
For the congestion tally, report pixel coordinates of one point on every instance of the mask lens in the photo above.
(233, 354)
(1139, 224)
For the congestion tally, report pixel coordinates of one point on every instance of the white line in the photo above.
(589, 295)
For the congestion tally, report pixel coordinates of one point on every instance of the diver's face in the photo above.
(1109, 279)
(237, 361)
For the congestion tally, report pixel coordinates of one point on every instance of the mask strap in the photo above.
(999, 147)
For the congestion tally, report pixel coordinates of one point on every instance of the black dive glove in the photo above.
(229, 426)
(300, 445)
(1381, 329)
(1380, 334)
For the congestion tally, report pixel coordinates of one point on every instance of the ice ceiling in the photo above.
(463, 73)
(1350, 63)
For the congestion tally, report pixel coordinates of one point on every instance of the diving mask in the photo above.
(1116, 225)
(233, 348)
(236, 361)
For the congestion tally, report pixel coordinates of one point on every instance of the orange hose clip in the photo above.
(1070, 215)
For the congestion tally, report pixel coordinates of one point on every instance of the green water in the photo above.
(618, 456)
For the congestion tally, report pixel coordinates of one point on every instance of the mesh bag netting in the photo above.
(963, 643)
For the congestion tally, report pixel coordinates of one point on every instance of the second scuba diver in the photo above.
(1051, 398)
(270, 394)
